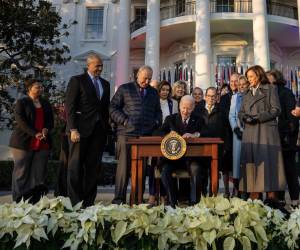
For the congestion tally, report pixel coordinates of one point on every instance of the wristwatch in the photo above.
(196, 134)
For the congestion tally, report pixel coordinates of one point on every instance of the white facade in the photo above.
(203, 32)
(195, 34)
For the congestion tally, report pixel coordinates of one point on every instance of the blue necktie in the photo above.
(142, 92)
(96, 85)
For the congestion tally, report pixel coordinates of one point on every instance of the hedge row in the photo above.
(105, 177)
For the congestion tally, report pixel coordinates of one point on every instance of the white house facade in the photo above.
(203, 39)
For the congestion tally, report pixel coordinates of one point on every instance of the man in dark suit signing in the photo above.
(87, 102)
(187, 125)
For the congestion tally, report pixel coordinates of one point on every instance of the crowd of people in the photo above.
(255, 115)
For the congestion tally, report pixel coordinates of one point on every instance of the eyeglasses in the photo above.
(211, 96)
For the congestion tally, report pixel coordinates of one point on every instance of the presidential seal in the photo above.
(173, 146)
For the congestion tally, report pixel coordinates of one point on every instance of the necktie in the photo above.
(142, 92)
(209, 109)
(96, 85)
(185, 123)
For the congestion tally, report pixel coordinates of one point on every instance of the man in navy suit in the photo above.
(188, 125)
(87, 102)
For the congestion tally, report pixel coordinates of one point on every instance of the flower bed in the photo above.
(214, 223)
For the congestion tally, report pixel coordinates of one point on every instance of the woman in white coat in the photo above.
(237, 129)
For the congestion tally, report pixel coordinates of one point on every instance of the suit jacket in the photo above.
(83, 107)
(214, 123)
(24, 129)
(174, 123)
(142, 115)
(288, 124)
(224, 105)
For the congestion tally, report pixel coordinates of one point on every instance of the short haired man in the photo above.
(135, 109)
(214, 126)
(189, 126)
(87, 101)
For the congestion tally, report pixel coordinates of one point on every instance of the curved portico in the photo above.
(198, 35)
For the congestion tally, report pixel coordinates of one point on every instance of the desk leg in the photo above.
(133, 173)
(140, 180)
(214, 170)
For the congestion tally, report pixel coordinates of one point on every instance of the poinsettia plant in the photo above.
(214, 223)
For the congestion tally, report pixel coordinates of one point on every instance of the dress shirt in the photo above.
(186, 120)
(164, 105)
(253, 89)
(98, 82)
(207, 108)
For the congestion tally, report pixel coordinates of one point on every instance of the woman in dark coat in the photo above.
(262, 167)
(288, 130)
(30, 144)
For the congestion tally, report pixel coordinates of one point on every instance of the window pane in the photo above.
(94, 25)
(226, 60)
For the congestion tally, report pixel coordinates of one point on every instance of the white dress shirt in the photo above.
(98, 82)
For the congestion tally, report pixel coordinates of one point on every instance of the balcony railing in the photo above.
(238, 6)
(282, 9)
(172, 11)
(137, 23)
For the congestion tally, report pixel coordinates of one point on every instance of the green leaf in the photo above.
(119, 231)
(249, 234)
(21, 238)
(40, 233)
(52, 225)
(28, 220)
(223, 205)
(67, 203)
(246, 243)
(237, 225)
(162, 242)
(229, 243)
(209, 236)
(261, 232)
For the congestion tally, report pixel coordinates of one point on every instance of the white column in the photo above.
(298, 5)
(261, 34)
(152, 49)
(203, 47)
(122, 64)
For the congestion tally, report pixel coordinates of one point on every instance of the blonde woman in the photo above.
(237, 129)
(179, 89)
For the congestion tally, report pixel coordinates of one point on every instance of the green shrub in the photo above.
(106, 174)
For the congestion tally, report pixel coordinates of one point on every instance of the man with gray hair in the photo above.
(135, 109)
(87, 102)
(187, 125)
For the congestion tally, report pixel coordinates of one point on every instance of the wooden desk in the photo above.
(150, 146)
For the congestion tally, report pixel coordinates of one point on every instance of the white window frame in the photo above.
(104, 33)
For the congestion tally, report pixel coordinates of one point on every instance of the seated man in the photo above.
(187, 126)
